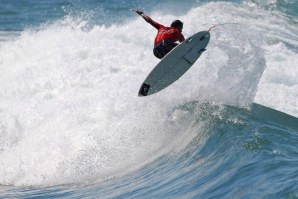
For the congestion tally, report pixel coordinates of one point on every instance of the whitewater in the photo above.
(73, 126)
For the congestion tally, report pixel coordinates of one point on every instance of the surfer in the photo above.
(166, 36)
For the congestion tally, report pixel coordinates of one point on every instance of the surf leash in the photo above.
(222, 24)
(212, 27)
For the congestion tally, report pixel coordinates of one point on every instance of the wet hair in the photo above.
(177, 24)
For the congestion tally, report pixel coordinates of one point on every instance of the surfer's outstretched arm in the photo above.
(147, 19)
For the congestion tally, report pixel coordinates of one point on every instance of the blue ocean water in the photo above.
(72, 125)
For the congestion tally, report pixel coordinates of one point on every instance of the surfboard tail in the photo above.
(144, 90)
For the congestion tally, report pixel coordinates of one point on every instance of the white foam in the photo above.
(70, 107)
(269, 37)
(8, 35)
(279, 85)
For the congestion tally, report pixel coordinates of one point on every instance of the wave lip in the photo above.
(233, 151)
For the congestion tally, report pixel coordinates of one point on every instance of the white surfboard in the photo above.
(175, 63)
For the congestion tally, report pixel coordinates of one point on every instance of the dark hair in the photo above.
(177, 24)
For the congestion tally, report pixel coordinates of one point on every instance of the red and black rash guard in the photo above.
(166, 33)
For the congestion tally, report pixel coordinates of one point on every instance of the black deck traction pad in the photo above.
(144, 89)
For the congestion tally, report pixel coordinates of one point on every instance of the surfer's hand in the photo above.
(148, 19)
(138, 12)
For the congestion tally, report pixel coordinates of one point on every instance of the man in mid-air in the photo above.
(166, 36)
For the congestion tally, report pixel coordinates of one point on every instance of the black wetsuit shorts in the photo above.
(163, 48)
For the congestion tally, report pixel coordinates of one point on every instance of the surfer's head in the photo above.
(177, 24)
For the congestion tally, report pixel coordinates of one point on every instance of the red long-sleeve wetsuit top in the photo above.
(166, 33)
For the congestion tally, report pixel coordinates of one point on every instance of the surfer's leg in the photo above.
(163, 48)
(169, 46)
(158, 51)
